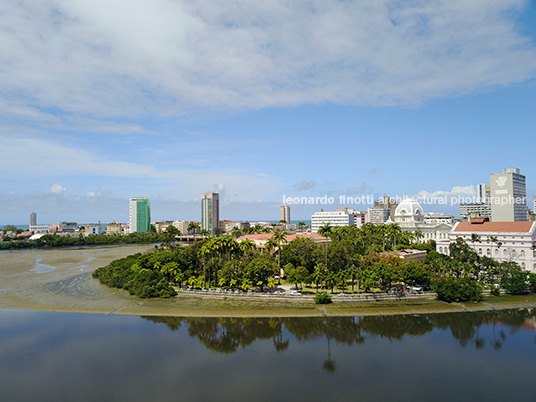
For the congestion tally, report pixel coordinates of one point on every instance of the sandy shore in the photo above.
(60, 280)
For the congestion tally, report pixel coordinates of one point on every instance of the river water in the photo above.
(53, 355)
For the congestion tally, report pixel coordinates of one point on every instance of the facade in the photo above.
(284, 213)
(378, 215)
(514, 241)
(210, 212)
(39, 228)
(483, 192)
(161, 226)
(382, 211)
(409, 216)
(338, 218)
(139, 215)
(475, 210)
(114, 228)
(261, 239)
(410, 255)
(66, 227)
(227, 226)
(433, 218)
(508, 196)
(360, 217)
(92, 229)
(33, 219)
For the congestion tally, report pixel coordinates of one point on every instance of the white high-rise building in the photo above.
(210, 212)
(284, 213)
(508, 196)
(339, 218)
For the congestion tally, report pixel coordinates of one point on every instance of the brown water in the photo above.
(60, 279)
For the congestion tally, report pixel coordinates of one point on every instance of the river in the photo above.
(66, 355)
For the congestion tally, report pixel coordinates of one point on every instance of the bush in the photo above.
(322, 298)
(457, 289)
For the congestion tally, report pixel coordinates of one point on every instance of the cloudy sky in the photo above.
(104, 100)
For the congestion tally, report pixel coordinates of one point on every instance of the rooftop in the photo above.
(480, 226)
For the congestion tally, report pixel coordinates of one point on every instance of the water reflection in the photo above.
(227, 335)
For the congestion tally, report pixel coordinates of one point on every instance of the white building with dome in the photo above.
(409, 215)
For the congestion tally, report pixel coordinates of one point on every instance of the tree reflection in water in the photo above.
(226, 335)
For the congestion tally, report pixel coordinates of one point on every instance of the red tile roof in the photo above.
(266, 236)
(510, 227)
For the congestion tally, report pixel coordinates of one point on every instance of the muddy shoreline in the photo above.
(60, 280)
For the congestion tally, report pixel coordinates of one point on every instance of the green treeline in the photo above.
(350, 260)
(53, 240)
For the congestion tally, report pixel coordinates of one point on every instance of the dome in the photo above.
(409, 209)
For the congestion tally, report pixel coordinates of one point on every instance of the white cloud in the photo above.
(57, 189)
(457, 191)
(139, 57)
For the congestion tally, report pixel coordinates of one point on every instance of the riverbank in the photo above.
(60, 280)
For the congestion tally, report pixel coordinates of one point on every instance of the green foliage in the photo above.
(513, 278)
(451, 289)
(323, 298)
(260, 270)
(125, 273)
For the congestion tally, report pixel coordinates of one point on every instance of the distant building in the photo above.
(378, 215)
(409, 255)
(409, 216)
(338, 218)
(161, 226)
(514, 241)
(436, 218)
(227, 226)
(92, 229)
(139, 215)
(261, 239)
(360, 217)
(508, 196)
(66, 227)
(39, 228)
(114, 228)
(210, 212)
(475, 210)
(284, 213)
(33, 219)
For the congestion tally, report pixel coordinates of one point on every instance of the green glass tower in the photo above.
(139, 215)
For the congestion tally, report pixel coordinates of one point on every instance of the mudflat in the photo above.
(60, 280)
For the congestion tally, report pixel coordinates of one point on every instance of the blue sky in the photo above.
(168, 99)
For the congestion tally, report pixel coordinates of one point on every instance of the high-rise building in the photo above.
(139, 215)
(482, 193)
(210, 211)
(508, 196)
(338, 218)
(33, 219)
(284, 213)
(383, 209)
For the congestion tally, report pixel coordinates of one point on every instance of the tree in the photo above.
(513, 278)
(326, 231)
(192, 228)
(279, 237)
(260, 269)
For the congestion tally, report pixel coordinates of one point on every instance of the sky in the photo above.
(102, 101)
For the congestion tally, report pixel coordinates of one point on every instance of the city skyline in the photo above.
(389, 99)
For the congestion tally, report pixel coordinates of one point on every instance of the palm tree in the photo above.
(279, 237)
(326, 231)
(192, 227)
(475, 238)
(246, 244)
